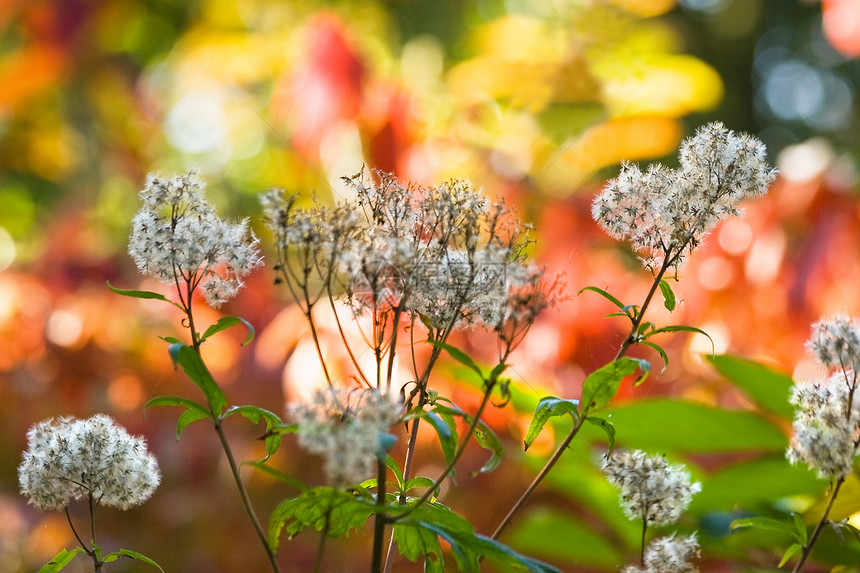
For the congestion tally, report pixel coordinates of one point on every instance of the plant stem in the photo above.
(246, 500)
(807, 549)
(630, 339)
(380, 519)
(642, 552)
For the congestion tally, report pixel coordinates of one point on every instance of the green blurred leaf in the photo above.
(767, 388)
(133, 555)
(278, 475)
(601, 385)
(145, 294)
(547, 408)
(766, 523)
(225, 323)
(792, 550)
(659, 350)
(681, 328)
(754, 482)
(193, 366)
(668, 295)
(60, 560)
(447, 435)
(488, 440)
(560, 536)
(459, 356)
(605, 295)
(193, 411)
(415, 542)
(255, 415)
(666, 424)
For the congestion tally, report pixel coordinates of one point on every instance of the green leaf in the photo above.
(419, 481)
(193, 411)
(767, 388)
(447, 434)
(766, 523)
(60, 560)
(392, 464)
(133, 555)
(601, 385)
(255, 415)
(343, 510)
(415, 542)
(145, 294)
(668, 295)
(800, 528)
(605, 295)
(225, 323)
(186, 357)
(792, 550)
(608, 429)
(681, 328)
(459, 356)
(488, 440)
(278, 475)
(547, 408)
(659, 350)
(666, 424)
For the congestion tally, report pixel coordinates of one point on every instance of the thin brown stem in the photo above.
(380, 520)
(631, 338)
(246, 500)
(807, 549)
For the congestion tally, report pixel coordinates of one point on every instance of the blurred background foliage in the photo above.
(537, 101)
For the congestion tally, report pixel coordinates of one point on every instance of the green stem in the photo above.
(642, 551)
(246, 500)
(807, 549)
(630, 339)
(380, 519)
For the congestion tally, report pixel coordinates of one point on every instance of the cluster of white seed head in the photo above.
(669, 554)
(177, 238)
(649, 487)
(827, 420)
(666, 212)
(68, 459)
(348, 429)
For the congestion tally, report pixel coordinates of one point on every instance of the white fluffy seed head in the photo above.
(69, 459)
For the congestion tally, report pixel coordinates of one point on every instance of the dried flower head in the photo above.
(69, 459)
(347, 428)
(666, 212)
(835, 343)
(669, 555)
(649, 487)
(177, 238)
(443, 254)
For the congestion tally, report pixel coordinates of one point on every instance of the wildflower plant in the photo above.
(410, 266)
(94, 460)
(826, 429)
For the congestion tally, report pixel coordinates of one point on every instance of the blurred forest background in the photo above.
(536, 101)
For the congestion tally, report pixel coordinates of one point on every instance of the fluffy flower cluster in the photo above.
(177, 237)
(444, 254)
(669, 555)
(69, 459)
(666, 212)
(347, 428)
(650, 488)
(827, 421)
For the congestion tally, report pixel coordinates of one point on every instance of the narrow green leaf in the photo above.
(765, 523)
(136, 556)
(668, 295)
(196, 370)
(459, 356)
(608, 428)
(278, 475)
(392, 464)
(193, 411)
(447, 437)
(488, 440)
(225, 323)
(419, 481)
(800, 527)
(497, 371)
(255, 415)
(659, 350)
(60, 560)
(548, 407)
(601, 385)
(145, 294)
(682, 328)
(792, 550)
(604, 294)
